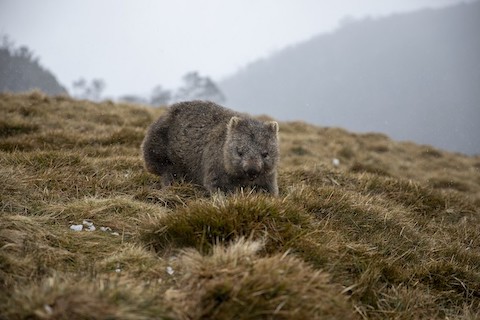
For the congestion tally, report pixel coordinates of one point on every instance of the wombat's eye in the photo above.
(239, 152)
(264, 154)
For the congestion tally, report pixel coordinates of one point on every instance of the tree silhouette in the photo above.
(21, 71)
(160, 96)
(89, 91)
(198, 87)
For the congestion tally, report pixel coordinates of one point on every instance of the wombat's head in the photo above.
(251, 147)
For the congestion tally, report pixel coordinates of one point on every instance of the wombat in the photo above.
(209, 145)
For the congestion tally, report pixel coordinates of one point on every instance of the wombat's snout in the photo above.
(252, 173)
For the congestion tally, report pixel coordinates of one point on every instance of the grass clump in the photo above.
(234, 283)
(12, 128)
(176, 195)
(63, 296)
(203, 224)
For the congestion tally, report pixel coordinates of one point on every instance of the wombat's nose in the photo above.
(252, 173)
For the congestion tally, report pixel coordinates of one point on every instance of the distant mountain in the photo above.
(414, 76)
(20, 72)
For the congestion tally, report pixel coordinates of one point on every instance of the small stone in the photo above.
(170, 270)
(77, 227)
(87, 223)
(48, 309)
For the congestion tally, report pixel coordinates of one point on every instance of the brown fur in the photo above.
(209, 145)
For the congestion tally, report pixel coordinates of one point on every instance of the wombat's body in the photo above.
(210, 145)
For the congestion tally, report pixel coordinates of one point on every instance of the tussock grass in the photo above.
(16, 127)
(234, 283)
(387, 230)
(64, 296)
(203, 224)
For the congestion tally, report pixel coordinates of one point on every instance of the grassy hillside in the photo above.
(391, 230)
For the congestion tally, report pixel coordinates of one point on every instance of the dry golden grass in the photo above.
(387, 230)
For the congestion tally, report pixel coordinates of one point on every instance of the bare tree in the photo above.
(198, 87)
(160, 96)
(89, 91)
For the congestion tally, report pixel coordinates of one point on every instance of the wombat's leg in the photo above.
(211, 185)
(155, 153)
(162, 168)
(214, 183)
(156, 164)
(273, 189)
(166, 179)
(271, 185)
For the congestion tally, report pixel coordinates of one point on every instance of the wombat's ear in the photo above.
(273, 126)
(234, 121)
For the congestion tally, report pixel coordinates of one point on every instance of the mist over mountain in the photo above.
(20, 71)
(413, 76)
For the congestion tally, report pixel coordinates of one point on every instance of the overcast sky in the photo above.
(138, 44)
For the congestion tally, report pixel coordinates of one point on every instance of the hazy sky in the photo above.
(138, 44)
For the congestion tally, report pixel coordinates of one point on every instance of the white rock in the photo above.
(170, 270)
(335, 162)
(105, 229)
(87, 223)
(91, 228)
(47, 309)
(76, 227)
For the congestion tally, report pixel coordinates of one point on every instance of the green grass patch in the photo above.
(201, 225)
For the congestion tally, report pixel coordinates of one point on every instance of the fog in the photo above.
(136, 46)
(413, 76)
